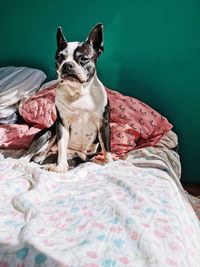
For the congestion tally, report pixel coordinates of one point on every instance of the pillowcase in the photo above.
(134, 124)
(16, 136)
(17, 83)
(39, 109)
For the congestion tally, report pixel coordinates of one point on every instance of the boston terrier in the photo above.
(82, 127)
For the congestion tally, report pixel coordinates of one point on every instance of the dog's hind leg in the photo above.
(40, 145)
(42, 154)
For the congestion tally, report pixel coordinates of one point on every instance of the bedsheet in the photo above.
(129, 212)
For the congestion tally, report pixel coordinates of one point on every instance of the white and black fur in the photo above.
(82, 127)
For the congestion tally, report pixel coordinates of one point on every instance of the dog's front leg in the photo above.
(104, 139)
(63, 140)
(104, 134)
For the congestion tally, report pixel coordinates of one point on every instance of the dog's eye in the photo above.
(84, 58)
(59, 57)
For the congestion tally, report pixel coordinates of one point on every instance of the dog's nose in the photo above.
(68, 66)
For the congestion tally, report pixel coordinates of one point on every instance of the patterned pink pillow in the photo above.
(39, 109)
(133, 123)
(16, 136)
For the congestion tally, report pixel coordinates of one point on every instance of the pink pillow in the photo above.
(133, 123)
(39, 109)
(16, 136)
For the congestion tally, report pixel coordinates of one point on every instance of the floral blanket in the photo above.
(129, 212)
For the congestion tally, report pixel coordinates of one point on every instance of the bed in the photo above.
(129, 212)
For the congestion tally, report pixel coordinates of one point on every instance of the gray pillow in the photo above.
(17, 83)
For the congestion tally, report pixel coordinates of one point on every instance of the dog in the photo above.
(82, 127)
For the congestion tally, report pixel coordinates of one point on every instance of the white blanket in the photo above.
(125, 213)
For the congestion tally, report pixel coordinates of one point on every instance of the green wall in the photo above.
(152, 52)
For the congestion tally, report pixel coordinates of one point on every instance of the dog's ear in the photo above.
(61, 41)
(95, 38)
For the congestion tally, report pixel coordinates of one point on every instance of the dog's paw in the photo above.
(55, 168)
(48, 167)
(108, 157)
(60, 169)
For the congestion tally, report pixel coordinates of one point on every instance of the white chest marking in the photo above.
(81, 109)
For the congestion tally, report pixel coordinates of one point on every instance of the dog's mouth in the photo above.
(72, 78)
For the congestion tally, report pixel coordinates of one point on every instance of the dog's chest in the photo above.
(83, 132)
(82, 118)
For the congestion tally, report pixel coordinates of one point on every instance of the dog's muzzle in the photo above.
(69, 71)
(68, 67)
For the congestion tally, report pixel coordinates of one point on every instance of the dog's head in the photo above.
(75, 61)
